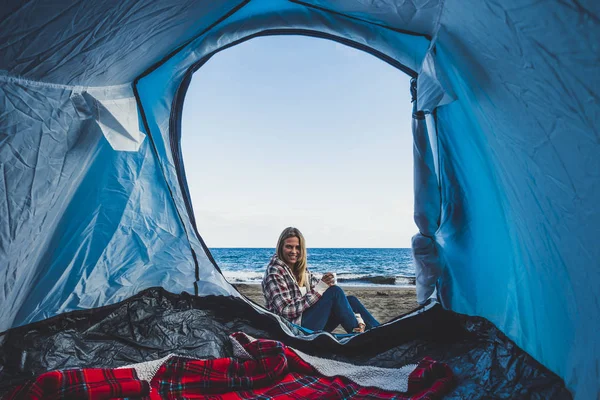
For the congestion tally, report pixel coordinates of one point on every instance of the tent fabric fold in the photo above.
(93, 203)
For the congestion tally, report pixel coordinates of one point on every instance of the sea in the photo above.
(354, 267)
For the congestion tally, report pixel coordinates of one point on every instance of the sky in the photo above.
(297, 131)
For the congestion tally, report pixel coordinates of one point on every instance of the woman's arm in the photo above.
(314, 281)
(277, 289)
(326, 281)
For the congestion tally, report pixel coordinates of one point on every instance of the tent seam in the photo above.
(191, 40)
(158, 160)
(323, 9)
(437, 24)
(19, 79)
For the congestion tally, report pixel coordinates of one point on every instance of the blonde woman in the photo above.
(291, 291)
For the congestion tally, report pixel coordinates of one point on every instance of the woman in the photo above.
(291, 291)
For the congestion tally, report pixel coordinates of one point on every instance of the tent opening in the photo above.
(305, 132)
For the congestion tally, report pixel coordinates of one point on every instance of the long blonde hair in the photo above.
(299, 269)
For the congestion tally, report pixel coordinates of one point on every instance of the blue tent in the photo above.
(93, 195)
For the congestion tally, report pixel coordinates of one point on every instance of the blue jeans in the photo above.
(333, 309)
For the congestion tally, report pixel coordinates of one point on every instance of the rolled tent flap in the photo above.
(428, 264)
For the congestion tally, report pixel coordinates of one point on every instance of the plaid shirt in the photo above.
(282, 293)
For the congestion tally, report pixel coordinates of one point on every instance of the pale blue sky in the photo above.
(298, 131)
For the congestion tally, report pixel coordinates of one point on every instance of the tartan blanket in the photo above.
(261, 369)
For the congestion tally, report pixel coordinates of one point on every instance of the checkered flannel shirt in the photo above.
(282, 293)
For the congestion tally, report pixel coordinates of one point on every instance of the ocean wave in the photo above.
(243, 276)
(255, 277)
(376, 279)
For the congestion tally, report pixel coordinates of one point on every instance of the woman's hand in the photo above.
(328, 278)
(360, 328)
(361, 324)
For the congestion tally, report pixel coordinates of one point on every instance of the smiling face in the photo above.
(291, 251)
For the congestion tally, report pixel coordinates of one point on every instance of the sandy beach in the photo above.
(385, 303)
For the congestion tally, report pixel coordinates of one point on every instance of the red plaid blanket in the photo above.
(271, 370)
(89, 383)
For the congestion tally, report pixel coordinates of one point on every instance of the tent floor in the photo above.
(155, 323)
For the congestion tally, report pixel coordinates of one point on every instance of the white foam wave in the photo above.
(243, 276)
(255, 277)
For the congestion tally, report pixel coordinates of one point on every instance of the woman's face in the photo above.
(291, 251)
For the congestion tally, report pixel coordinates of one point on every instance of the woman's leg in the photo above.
(358, 307)
(332, 308)
(316, 316)
(332, 323)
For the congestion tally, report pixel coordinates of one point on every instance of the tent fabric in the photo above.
(97, 43)
(83, 225)
(155, 323)
(520, 177)
(95, 208)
